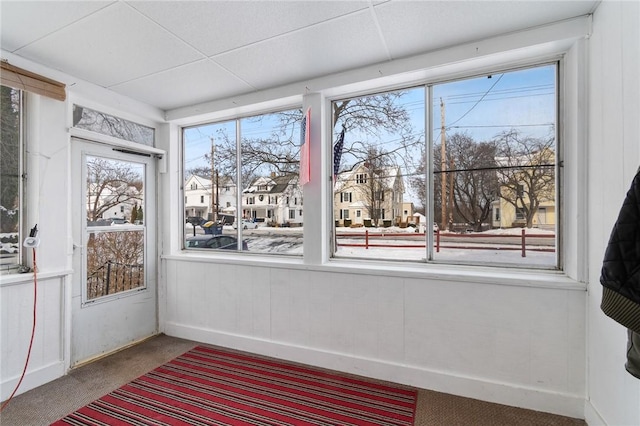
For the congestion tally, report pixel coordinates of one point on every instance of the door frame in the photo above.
(83, 346)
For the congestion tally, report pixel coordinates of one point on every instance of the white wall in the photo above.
(49, 204)
(517, 345)
(47, 361)
(47, 191)
(614, 156)
(516, 338)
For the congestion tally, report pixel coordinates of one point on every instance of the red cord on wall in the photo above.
(33, 330)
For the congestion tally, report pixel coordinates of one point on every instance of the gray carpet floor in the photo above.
(54, 400)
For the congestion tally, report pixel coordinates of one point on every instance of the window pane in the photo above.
(270, 152)
(494, 156)
(114, 199)
(115, 262)
(10, 181)
(269, 202)
(115, 192)
(99, 122)
(375, 164)
(210, 165)
(491, 196)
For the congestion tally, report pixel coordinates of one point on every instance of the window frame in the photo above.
(552, 60)
(251, 199)
(11, 267)
(568, 47)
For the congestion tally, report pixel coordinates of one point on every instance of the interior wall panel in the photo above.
(614, 155)
(527, 340)
(16, 321)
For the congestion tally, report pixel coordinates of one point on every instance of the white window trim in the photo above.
(563, 41)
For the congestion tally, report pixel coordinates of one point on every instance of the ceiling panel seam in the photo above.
(17, 50)
(169, 32)
(374, 17)
(288, 33)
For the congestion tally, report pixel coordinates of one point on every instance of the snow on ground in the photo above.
(518, 231)
(6, 244)
(490, 254)
(485, 257)
(289, 241)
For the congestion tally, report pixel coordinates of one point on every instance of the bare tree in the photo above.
(106, 124)
(471, 180)
(368, 120)
(204, 171)
(527, 172)
(373, 114)
(474, 179)
(372, 181)
(278, 153)
(109, 184)
(115, 262)
(10, 160)
(368, 116)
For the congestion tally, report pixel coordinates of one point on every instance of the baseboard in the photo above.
(32, 379)
(592, 416)
(471, 387)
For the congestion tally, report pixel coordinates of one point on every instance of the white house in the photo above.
(527, 338)
(363, 193)
(200, 197)
(113, 202)
(274, 199)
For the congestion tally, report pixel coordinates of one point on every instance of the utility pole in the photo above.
(451, 194)
(217, 195)
(213, 177)
(443, 167)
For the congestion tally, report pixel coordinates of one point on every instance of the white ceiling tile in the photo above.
(114, 45)
(334, 46)
(190, 84)
(155, 51)
(436, 24)
(23, 22)
(218, 26)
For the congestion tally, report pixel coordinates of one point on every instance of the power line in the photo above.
(480, 169)
(507, 91)
(503, 125)
(479, 100)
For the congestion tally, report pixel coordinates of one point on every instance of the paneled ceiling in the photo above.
(171, 54)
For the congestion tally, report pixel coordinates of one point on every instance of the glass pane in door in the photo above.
(115, 237)
(115, 262)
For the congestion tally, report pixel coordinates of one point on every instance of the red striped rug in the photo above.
(207, 386)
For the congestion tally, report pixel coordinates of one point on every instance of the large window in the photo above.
(245, 173)
(477, 185)
(11, 185)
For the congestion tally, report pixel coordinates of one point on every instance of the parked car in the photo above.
(118, 221)
(246, 224)
(219, 242)
(194, 220)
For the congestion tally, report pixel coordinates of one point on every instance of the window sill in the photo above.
(437, 272)
(17, 279)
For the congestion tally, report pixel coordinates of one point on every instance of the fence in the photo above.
(520, 245)
(113, 277)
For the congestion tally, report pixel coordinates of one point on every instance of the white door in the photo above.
(542, 216)
(114, 296)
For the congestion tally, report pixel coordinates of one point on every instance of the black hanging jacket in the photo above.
(620, 274)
